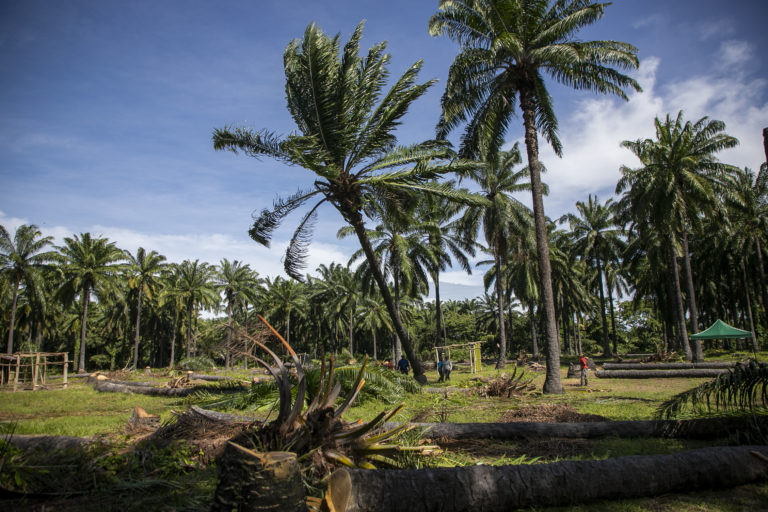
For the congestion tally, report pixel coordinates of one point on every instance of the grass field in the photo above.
(81, 411)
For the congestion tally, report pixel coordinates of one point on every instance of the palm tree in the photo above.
(21, 260)
(346, 123)
(145, 268)
(748, 207)
(239, 284)
(507, 46)
(597, 238)
(503, 219)
(374, 316)
(445, 240)
(282, 297)
(196, 288)
(679, 178)
(90, 267)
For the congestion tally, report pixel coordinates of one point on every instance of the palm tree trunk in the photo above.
(534, 334)
(502, 361)
(351, 331)
(138, 327)
(552, 382)
(755, 345)
(606, 341)
(692, 309)
(356, 220)
(438, 311)
(228, 353)
(173, 334)
(83, 323)
(761, 272)
(678, 310)
(9, 348)
(373, 331)
(613, 320)
(189, 329)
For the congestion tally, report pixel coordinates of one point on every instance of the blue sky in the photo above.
(107, 109)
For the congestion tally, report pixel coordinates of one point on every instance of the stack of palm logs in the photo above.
(663, 370)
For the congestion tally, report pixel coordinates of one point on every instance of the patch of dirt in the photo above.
(549, 413)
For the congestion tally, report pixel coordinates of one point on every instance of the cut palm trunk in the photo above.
(253, 481)
(667, 366)
(693, 373)
(501, 488)
(701, 428)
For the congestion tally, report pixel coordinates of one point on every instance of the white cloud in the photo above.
(709, 29)
(462, 278)
(208, 247)
(592, 134)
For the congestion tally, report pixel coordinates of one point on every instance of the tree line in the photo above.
(685, 238)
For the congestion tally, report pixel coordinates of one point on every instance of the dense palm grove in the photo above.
(682, 244)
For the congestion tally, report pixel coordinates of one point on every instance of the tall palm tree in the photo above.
(597, 238)
(21, 261)
(282, 297)
(679, 179)
(171, 294)
(748, 212)
(346, 122)
(398, 246)
(446, 241)
(90, 266)
(507, 47)
(503, 219)
(239, 284)
(374, 316)
(196, 289)
(144, 268)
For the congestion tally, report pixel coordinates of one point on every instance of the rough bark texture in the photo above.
(83, 323)
(552, 382)
(694, 373)
(698, 354)
(681, 332)
(502, 488)
(256, 481)
(702, 428)
(501, 363)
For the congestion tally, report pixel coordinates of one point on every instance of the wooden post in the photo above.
(64, 372)
(16, 378)
(35, 371)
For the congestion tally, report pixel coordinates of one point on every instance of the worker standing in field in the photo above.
(584, 365)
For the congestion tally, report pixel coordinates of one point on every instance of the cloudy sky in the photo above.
(107, 109)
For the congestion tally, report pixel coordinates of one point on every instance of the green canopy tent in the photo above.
(720, 331)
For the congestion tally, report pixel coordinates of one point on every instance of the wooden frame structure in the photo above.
(33, 364)
(475, 363)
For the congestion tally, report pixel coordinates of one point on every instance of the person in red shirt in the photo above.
(584, 365)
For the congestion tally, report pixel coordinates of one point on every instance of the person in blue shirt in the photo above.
(440, 370)
(403, 365)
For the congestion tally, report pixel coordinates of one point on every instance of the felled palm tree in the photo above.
(21, 261)
(90, 267)
(145, 267)
(345, 138)
(503, 219)
(507, 47)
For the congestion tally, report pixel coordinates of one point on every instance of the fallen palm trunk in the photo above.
(667, 366)
(106, 386)
(695, 373)
(46, 443)
(702, 428)
(501, 488)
